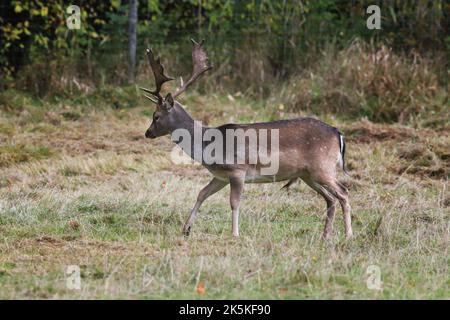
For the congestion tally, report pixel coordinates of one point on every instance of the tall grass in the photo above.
(367, 81)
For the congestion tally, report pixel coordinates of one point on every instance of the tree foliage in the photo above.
(272, 36)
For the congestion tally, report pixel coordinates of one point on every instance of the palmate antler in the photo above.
(160, 77)
(200, 65)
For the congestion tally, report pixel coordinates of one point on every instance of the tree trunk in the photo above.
(132, 39)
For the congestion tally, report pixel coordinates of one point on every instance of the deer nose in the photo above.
(149, 134)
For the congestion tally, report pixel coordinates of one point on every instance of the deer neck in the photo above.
(190, 137)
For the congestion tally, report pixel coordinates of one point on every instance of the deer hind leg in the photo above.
(212, 187)
(331, 206)
(342, 196)
(340, 192)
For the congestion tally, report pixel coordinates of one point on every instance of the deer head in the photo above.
(169, 114)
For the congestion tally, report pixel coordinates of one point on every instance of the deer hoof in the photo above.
(187, 231)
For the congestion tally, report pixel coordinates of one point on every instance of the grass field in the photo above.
(86, 188)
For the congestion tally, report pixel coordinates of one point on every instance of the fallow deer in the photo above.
(308, 149)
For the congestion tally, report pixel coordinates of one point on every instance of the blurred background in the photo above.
(316, 56)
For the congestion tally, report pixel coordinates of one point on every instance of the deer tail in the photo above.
(342, 152)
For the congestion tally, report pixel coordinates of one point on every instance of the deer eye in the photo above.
(156, 118)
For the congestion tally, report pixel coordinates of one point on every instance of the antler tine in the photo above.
(151, 98)
(146, 90)
(201, 64)
(158, 73)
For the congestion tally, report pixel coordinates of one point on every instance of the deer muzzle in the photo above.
(149, 134)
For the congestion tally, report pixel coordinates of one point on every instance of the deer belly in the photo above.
(255, 176)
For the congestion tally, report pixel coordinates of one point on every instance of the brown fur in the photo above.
(309, 149)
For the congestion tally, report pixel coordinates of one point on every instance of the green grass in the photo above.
(133, 235)
(11, 154)
(111, 203)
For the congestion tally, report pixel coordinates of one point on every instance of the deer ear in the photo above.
(168, 101)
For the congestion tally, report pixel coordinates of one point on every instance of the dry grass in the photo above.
(111, 202)
(374, 82)
(422, 152)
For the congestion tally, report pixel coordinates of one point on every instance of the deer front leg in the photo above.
(236, 187)
(212, 187)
